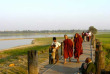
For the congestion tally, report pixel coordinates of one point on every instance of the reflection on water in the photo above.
(13, 43)
(34, 36)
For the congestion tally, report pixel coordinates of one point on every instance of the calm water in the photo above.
(34, 36)
(13, 43)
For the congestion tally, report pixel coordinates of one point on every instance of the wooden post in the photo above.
(97, 40)
(62, 48)
(99, 58)
(100, 45)
(94, 41)
(33, 62)
(94, 44)
(93, 38)
(50, 56)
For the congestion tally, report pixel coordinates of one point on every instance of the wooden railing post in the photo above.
(99, 58)
(97, 40)
(93, 38)
(50, 56)
(94, 41)
(33, 62)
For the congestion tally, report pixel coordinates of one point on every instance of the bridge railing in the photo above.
(99, 56)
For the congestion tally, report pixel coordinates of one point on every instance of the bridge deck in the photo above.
(70, 67)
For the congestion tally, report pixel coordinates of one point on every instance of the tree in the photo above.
(92, 29)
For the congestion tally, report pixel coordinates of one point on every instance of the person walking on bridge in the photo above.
(68, 48)
(78, 50)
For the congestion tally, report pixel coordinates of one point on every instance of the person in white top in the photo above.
(57, 44)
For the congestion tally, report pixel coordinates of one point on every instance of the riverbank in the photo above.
(17, 56)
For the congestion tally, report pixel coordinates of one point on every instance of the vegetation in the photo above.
(36, 32)
(18, 56)
(92, 29)
(105, 39)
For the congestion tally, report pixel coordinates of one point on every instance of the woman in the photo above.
(78, 46)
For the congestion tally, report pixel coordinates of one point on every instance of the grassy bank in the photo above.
(8, 55)
(105, 39)
(18, 56)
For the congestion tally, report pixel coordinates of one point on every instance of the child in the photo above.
(52, 51)
(57, 45)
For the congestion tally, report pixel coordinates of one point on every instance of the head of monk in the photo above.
(65, 36)
(76, 35)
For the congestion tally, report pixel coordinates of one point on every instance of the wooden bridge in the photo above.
(95, 52)
(69, 67)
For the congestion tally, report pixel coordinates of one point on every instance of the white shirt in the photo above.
(57, 44)
(89, 33)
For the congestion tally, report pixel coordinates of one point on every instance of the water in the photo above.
(34, 36)
(13, 43)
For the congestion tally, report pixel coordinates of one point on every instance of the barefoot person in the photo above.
(57, 44)
(78, 46)
(68, 48)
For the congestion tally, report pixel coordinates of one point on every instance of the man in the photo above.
(91, 69)
(83, 67)
(68, 48)
(78, 46)
(57, 44)
(85, 36)
(90, 35)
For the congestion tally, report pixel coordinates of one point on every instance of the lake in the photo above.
(13, 43)
(33, 36)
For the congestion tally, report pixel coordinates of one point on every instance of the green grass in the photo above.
(18, 56)
(103, 36)
(13, 54)
(17, 52)
(105, 39)
(49, 40)
(43, 44)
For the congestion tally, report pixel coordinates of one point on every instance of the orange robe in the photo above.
(68, 48)
(78, 46)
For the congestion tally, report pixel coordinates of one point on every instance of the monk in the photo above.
(68, 48)
(78, 50)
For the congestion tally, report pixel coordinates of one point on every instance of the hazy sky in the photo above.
(54, 14)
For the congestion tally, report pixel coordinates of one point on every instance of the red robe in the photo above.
(68, 48)
(78, 46)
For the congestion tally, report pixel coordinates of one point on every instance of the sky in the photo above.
(54, 14)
